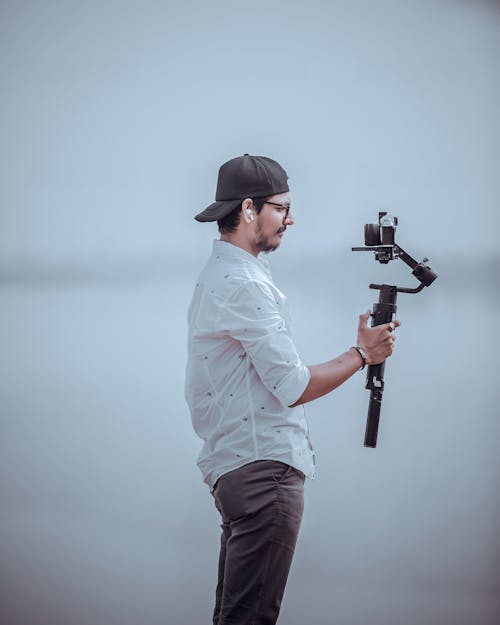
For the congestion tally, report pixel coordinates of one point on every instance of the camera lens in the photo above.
(372, 234)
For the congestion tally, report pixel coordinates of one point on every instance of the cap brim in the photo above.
(217, 210)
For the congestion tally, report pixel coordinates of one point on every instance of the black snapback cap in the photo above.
(242, 177)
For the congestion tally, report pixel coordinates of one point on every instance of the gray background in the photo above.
(115, 117)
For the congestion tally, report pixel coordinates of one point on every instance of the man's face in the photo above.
(272, 222)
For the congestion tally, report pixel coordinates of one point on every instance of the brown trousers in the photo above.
(261, 505)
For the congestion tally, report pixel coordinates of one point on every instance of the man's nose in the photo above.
(289, 221)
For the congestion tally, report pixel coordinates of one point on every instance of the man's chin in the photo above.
(273, 248)
(267, 247)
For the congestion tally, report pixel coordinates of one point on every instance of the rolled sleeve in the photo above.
(253, 317)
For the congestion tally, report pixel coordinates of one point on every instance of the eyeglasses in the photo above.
(285, 207)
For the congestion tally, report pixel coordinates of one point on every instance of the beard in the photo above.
(264, 243)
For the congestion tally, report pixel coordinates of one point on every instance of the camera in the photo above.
(382, 233)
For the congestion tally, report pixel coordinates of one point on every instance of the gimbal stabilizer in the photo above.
(379, 238)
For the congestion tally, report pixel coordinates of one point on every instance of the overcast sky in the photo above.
(116, 117)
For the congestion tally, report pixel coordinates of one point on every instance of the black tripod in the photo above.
(380, 239)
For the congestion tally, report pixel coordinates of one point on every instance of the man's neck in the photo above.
(235, 239)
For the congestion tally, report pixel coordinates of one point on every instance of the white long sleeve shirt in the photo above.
(243, 370)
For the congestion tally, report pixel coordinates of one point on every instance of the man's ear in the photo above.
(246, 207)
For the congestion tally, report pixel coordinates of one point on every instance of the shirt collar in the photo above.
(234, 251)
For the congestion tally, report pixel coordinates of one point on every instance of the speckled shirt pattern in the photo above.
(243, 370)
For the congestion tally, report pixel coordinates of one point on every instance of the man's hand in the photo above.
(376, 342)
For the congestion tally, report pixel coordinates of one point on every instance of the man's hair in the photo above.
(231, 221)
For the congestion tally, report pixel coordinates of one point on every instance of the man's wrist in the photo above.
(362, 355)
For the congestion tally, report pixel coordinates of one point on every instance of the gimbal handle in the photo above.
(383, 312)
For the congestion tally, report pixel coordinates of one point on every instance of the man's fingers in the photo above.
(392, 325)
(363, 319)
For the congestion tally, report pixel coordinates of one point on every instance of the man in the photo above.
(246, 386)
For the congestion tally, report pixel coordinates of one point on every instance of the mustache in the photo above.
(282, 229)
